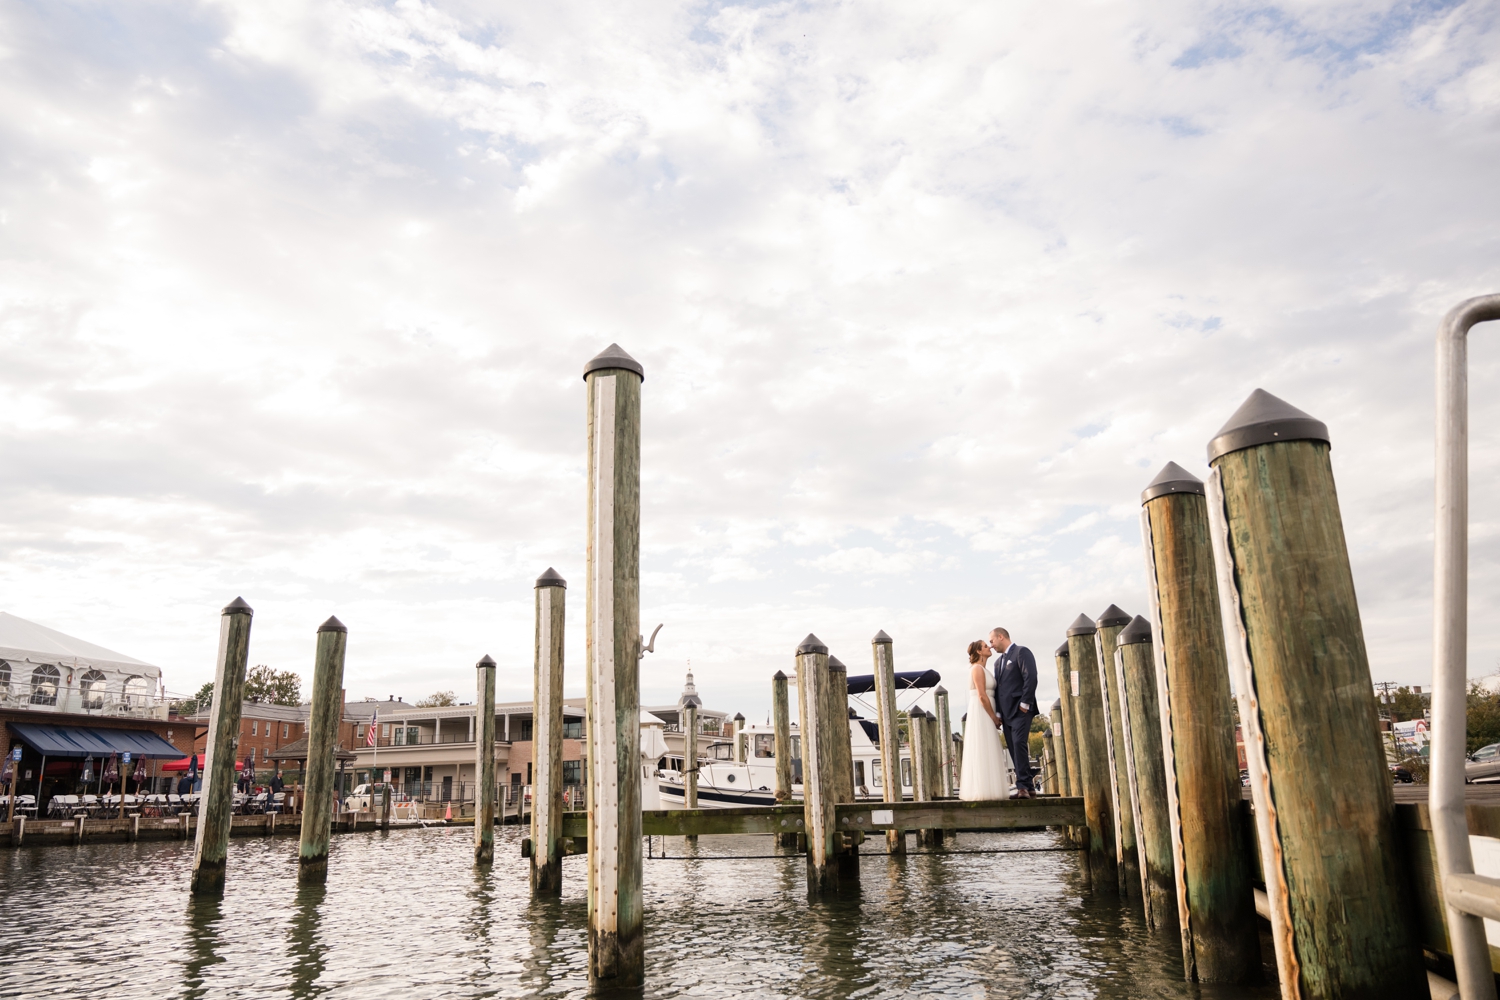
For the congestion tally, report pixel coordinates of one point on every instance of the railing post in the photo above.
(216, 803)
(484, 764)
(616, 943)
(323, 718)
(890, 731)
(1093, 754)
(1137, 669)
(1108, 626)
(1323, 800)
(1215, 900)
(546, 735)
(819, 764)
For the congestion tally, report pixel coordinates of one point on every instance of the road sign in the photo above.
(125, 756)
(387, 775)
(15, 753)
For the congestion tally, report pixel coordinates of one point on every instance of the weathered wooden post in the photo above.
(1093, 753)
(739, 738)
(890, 731)
(781, 719)
(819, 762)
(1136, 665)
(324, 715)
(1059, 733)
(546, 735)
(944, 743)
(1215, 899)
(1049, 764)
(1324, 806)
(1108, 626)
(616, 944)
(837, 720)
(919, 738)
(690, 758)
(211, 849)
(484, 765)
(1067, 689)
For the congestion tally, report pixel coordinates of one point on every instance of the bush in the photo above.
(1484, 718)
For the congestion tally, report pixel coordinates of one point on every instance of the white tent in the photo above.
(42, 668)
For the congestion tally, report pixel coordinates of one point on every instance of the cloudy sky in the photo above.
(295, 299)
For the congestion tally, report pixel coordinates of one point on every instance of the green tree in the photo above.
(1484, 718)
(199, 702)
(1406, 705)
(279, 687)
(438, 699)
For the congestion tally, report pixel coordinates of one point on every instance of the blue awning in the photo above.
(88, 741)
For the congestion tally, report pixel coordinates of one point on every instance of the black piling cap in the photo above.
(939, 690)
(551, 578)
(916, 713)
(332, 625)
(1263, 419)
(238, 607)
(1082, 625)
(834, 663)
(1139, 630)
(1172, 478)
(1062, 651)
(738, 717)
(881, 637)
(812, 644)
(778, 676)
(1113, 616)
(613, 356)
(485, 663)
(1057, 706)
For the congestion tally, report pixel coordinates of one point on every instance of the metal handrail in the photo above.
(1468, 897)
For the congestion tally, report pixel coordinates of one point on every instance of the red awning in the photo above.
(182, 765)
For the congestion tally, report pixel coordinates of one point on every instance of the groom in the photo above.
(1015, 701)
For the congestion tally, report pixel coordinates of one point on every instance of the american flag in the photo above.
(370, 736)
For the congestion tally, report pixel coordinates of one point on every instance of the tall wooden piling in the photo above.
(1059, 731)
(690, 756)
(1108, 627)
(819, 762)
(944, 743)
(613, 629)
(890, 731)
(1323, 798)
(484, 764)
(324, 716)
(216, 803)
(740, 750)
(919, 736)
(1067, 694)
(1215, 898)
(838, 709)
(1136, 664)
(1049, 763)
(781, 721)
(546, 735)
(1093, 754)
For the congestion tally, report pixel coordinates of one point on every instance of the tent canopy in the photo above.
(183, 764)
(91, 741)
(865, 683)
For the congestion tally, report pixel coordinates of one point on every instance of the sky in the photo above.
(295, 300)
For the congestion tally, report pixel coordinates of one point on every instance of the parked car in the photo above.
(1401, 774)
(366, 797)
(1491, 752)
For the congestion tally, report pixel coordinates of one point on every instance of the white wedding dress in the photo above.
(987, 771)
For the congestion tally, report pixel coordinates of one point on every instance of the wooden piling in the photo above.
(546, 735)
(890, 731)
(324, 716)
(1059, 733)
(919, 737)
(1049, 763)
(819, 763)
(1215, 900)
(690, 757)
(838, 721)
(484, 765)
(1067, 689)
(1136, 664)
(944, 743)
(1323, 796)
(211, 849)
(1093, 754)
(781, 720)
(1108, 626)
(616, 943)
(740, 751)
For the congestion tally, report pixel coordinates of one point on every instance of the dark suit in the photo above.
(1015, 687)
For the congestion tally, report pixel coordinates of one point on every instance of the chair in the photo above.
(174, 804)
(89, 806)
(26, 805)
(278, 802)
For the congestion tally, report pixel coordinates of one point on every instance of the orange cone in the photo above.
(449, 817)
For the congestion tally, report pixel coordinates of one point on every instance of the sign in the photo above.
(125, 756)
(1075, 684)
(882, 817)
(387, 778)
(15, 753)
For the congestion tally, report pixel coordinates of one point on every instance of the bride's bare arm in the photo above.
(978, 678)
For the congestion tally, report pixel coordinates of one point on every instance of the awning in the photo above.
(87, 741)
(905, 680)
(185, 763)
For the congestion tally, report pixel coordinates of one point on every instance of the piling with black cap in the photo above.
(324, 715)
(1049, 762)
(1116, 741)
(551, 592)
(837, 718)
(781, 722)
(740, 752)
(484, 762)
(884, 655)
(1057, 734)
(1324, 806)
(1093, 754)
(1215, 897)
(943, 745)
(1136, 665)
(919, 737)
(819, 764)
(211, 849)
(617, 954)
(1067, 690)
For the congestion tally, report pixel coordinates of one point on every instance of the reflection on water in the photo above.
(407, 914)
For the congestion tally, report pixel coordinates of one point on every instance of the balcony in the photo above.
(50, 696)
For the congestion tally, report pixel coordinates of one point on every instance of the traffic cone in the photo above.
(449, 817)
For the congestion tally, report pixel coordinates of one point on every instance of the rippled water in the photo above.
(406, 914)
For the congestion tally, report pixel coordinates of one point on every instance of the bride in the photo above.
(986, 771)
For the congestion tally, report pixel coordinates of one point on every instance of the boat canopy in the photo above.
(905, 680)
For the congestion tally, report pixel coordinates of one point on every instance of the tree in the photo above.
(199, 702)
(438, 699)
(1484, 718)
(1406, 705)
(279, 687)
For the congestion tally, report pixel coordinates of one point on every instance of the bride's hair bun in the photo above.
(975, 650)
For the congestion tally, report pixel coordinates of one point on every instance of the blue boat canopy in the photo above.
(905, 679)
(86, 741)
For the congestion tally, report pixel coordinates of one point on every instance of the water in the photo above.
(407, 915)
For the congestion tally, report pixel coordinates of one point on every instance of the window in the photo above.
(265, 753)
(284, 730)
(525, 730)
(528, 773)
(385, 731)
(859, 773)
(399, 739)
(765, 745)
(796, 748)
(572, 772)
(254, 727)
(91, 686)
(875, 773)
(5, 674)
(44, 681)
(413, 736)
(360, 732)
(906, 771)
(136, 690)
(572, 729)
